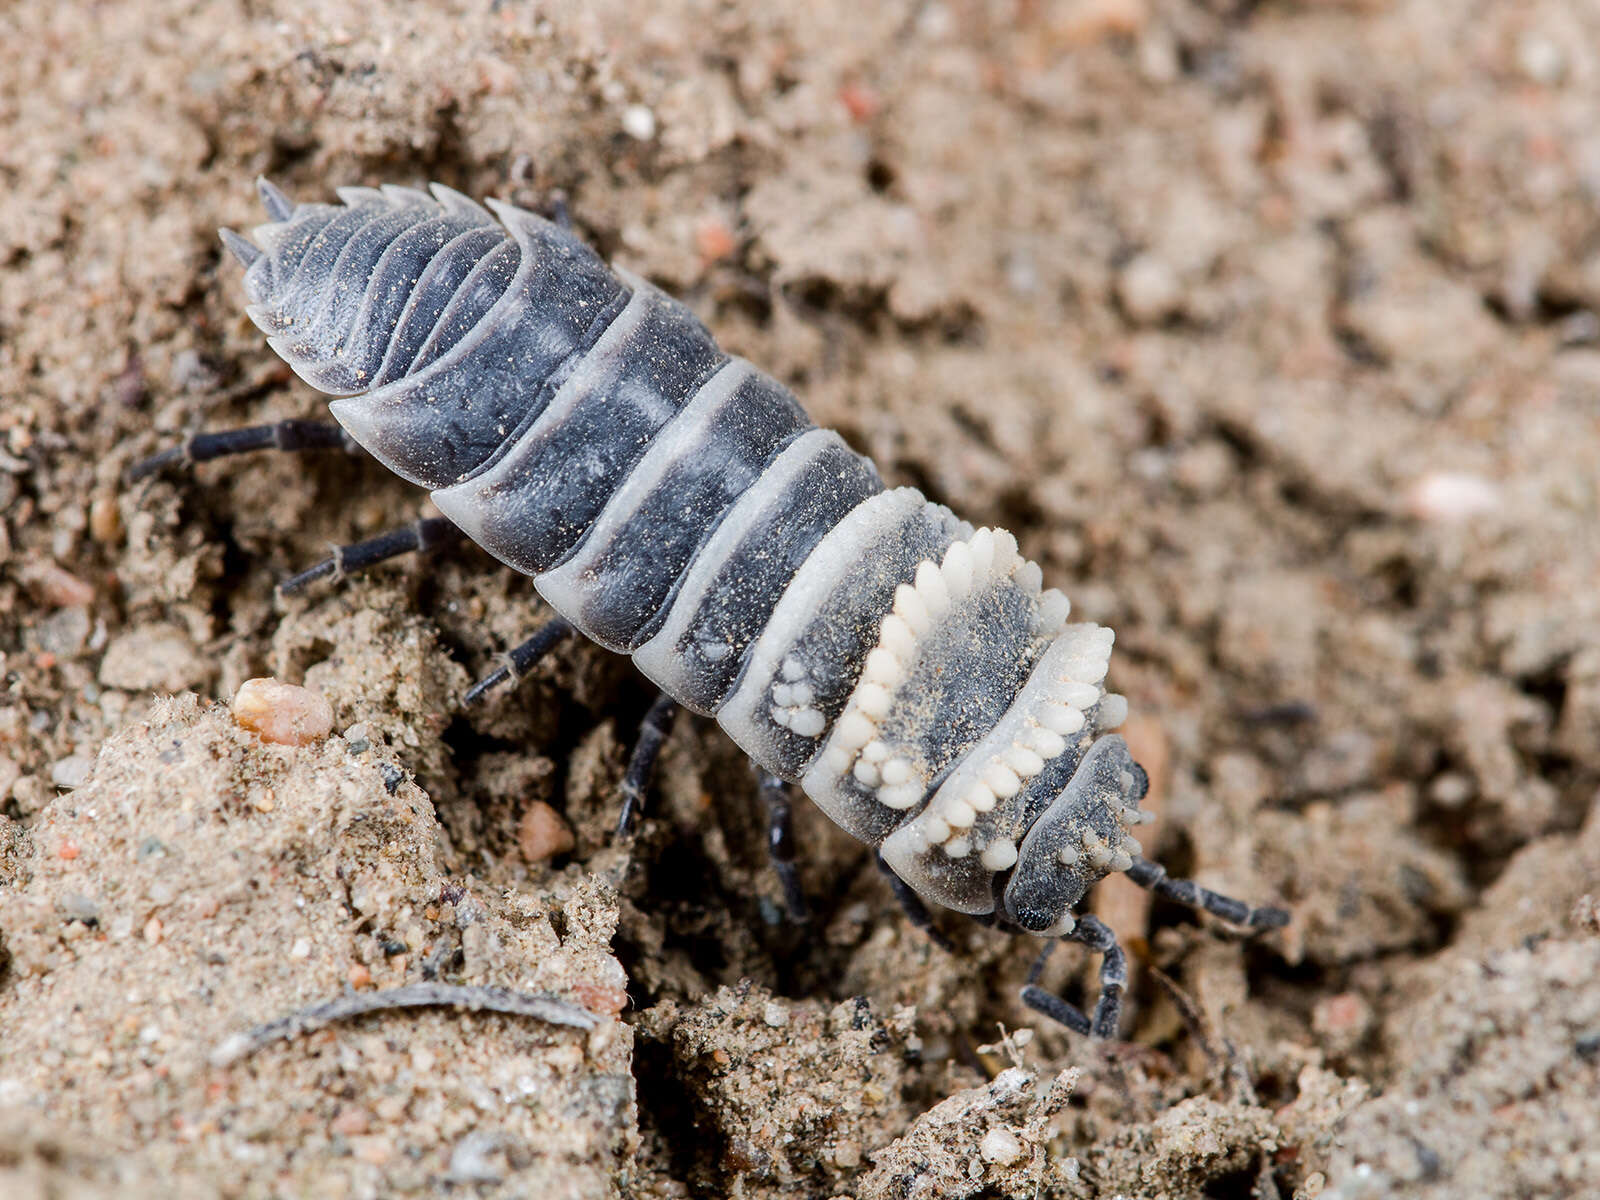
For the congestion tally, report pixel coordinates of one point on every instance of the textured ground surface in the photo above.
(1269, 328)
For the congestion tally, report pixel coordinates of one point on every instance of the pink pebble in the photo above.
(282, 712)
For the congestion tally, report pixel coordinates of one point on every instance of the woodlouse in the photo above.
(909, 671)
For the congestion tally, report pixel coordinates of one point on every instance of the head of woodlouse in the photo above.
(1079, 840)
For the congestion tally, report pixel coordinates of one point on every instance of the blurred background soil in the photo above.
(1270, 328)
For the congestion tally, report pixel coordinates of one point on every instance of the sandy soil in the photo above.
(1272, 331)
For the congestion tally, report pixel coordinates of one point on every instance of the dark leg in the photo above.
(1096, 935)
(1186, 891)
(520, 661)
(423, 535)
(780, 845)
(911, 904)
(291, 435)
(653, 732)
(560, 214)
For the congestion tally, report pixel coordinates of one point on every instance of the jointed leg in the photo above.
(290, 435)
(428, 533)
(518, 662)
(1186, 891)
(911, 904)
(653, 732)
(780, 845)
(1096, 935)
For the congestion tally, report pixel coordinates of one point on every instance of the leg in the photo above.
(560, 214)
(1096, 935)
(1186, 891)
(520, 661)
(653, 731)
(428, 533)
(780, 845)
(911, 904)
(291, 435)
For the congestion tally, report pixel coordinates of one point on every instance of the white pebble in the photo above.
(1148, 290)
(1443, 497)
(638, 122)
(71, 772)
(1001, 1147)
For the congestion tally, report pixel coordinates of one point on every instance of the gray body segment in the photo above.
(678, 505)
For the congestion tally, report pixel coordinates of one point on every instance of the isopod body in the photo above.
(676, 504)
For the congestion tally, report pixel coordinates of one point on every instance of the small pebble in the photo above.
(1344, 1017)
(56, 586)
(71, 772)
(77, 907)
(638, 122)
(713, 240)
(351, 1122)
(542, 834)
(282, 712)
(860, 101)
(1148, 290)
(477, 1158)
(372, 1150)
(105, 521)
(775, 1014)
(1000, 1146)
(1447, 496)
(1541, 59)
(598, 998)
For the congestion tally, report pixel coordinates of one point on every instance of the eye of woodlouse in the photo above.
(910, 672)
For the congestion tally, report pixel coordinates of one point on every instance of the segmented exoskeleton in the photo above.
(676, 504)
